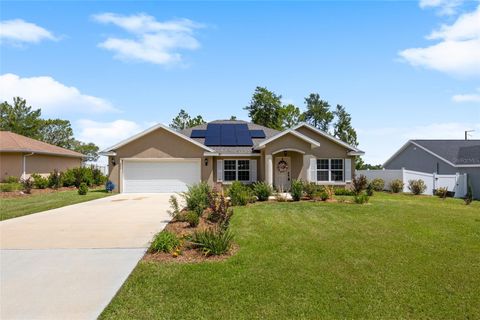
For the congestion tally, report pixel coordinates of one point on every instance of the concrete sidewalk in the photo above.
(69, 262)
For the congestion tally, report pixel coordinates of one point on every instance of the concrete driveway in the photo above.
(69, 262)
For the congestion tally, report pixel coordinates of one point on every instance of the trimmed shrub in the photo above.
(323, 196)
(27, 185)
(12, 179)
(109, 186)
(55, 179)
(344, 192)
(469, 196)
(359, 184)
(361, 199)
(239, 194)
(417, 186)
(262, 190)
(68, 178)
(378, 184)
(82, 189)
(310, 189)
(164, 242)
(396, 186)
(296, 190)
(98, 177)
(39, 182)
(441, 192)
(213, 242)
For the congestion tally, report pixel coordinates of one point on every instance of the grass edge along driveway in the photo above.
(21, 206)
(398, 257)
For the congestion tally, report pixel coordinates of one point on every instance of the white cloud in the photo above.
(469, 97)
(50, 95)
(381, 143)
(20, 32)
(106, 134)
(457, 53)
(444, 7)
(153, 41)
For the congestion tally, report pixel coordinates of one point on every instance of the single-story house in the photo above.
(21, 156)
(161, 159)
(440, 157)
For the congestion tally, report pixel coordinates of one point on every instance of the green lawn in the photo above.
(400, 257)
(20, 206)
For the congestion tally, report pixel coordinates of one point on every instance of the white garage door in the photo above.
(159, 176)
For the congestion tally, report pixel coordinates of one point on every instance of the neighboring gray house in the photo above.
(441, 157)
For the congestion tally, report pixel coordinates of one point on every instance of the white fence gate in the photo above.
(456, 183)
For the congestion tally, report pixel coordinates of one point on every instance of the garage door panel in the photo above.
(160, 176)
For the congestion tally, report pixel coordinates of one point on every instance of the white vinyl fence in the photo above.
(456, 183)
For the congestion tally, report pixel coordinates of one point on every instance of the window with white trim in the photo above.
(330, 170)
(234, 170)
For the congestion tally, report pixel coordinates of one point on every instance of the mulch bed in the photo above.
(188, 254)
(18, 194)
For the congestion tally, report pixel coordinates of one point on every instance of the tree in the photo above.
(20, 119)
(57, 132)
(184, 121)
(233, 118)
(265, 108)
(318, 112)
(290, 116)
(90, 150)
(361, 165)
(342, 129)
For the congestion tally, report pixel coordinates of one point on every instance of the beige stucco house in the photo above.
(161, 159)
(21, 156)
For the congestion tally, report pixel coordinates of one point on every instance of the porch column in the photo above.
(269, 169)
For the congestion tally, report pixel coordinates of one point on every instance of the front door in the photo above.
(283, 173)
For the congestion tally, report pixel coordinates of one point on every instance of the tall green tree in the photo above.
(318, 112)
(57, 132)
(265, 108)
(342, 128)
(90, 150)
(290, 115)
(184, 121)
(20, 118)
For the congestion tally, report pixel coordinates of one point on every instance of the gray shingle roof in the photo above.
(233, 150)
(459, 152)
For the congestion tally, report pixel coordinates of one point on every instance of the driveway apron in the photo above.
(68, 263)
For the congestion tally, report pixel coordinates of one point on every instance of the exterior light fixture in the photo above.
(206, 162)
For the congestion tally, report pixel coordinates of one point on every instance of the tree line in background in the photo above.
(266, 109)
(21, 119)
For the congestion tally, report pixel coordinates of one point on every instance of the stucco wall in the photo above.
(159, 144)
(11, 164)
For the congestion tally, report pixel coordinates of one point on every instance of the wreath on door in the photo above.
(282, 166)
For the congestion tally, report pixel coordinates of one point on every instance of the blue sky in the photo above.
(402, 69)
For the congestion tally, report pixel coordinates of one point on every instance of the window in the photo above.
(329, 170)
(236, 170)
(229, 170)
(337, 169)
(322, 169)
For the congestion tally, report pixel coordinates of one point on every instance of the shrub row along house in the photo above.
(161, 159)
(21, 156)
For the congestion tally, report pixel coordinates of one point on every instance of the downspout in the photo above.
(25, 164)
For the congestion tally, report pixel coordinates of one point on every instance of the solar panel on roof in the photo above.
(227, 136)
(212, 136)
(198, 133)
(257, 134)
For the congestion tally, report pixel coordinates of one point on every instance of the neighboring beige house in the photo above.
(161, 159)
(21, 156)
